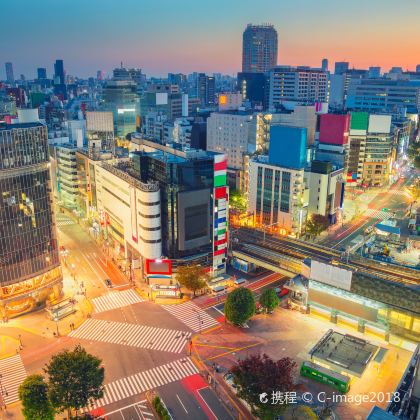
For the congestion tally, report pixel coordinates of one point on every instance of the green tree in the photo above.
(33, 393)
(257, 377)
(269, 300)
(316, 224)
(239, 306)
(75, 379)
(193, 277)
(237, 201)
(414, 153)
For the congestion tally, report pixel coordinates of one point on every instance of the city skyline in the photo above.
(129, 34)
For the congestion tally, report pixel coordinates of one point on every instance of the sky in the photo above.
(162, 36)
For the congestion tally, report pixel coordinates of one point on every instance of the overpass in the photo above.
(273, 261)
(284, 255)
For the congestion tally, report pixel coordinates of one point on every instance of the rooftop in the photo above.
(344, 352)
(16, 126)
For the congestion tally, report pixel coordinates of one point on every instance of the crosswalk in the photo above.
(192, 316)
(145, 381)
(64, 221)
(134, 335)
(378, 214)
(139, 410)
(13, 373)
(114, 300)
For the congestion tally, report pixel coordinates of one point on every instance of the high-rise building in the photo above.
(341, 67)
(370, 149)
(9, 73)
(297, 85)
(324, 64)
(41, 73)
(259, 48)
(231, 133)
(100, 132)
(120, 97)
(60, 88)
(59, 77)
(418, 68)
(29, 259)
(206, 89)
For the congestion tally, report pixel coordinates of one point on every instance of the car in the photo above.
(108, 283)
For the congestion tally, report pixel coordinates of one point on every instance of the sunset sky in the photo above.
(163, 36)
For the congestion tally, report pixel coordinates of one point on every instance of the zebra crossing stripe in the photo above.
(191, 315)
(13, 373)
(144, 381)
(134, 335)
(378, 214)
(114, 300)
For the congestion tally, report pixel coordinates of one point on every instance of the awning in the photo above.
(388, 229)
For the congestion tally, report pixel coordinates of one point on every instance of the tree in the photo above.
(239, 306)
(414, 153)
(33, 392)
(193, 277)
(259, 376)
(237, 201)
(269, 300)
(75, 379)
(316, 224)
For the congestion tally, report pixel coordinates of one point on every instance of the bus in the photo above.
(223, 280)
(325, 376)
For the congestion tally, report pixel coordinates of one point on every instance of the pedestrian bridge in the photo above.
(271, 260)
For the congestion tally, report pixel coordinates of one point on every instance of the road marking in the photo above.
(183, 406)
(145, 381)
(134, 335)
(114, 300)
(191, 315)
(140, 407)
(13, 374)
(205, 402)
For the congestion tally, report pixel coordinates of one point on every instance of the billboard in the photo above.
(161, 98)
(194, 223)
(159, 267)
(331, 275)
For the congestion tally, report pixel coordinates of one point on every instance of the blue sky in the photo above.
(193, 35)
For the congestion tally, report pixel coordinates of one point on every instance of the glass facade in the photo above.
(28, 242)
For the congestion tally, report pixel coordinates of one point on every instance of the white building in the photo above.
(130, 212)
(297, 85)
(324, 190)
(276, 197)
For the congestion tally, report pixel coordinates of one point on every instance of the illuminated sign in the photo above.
(158, 266)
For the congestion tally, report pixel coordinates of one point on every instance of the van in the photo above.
(238, 282)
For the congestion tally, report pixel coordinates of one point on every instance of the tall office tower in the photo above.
(29, 260)
(418, 68)
(324, 65)
(259, 48)
(9, 73)
(41, 73)
(206, 89)
(59, 78)
(341, 67)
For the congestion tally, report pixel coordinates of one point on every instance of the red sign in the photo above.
(159, 266)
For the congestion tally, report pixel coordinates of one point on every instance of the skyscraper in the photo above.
(206, 89)
(324, 65)
(29, 260)
(9, 73)
(259, 48)
(41, 72)
(59, 72)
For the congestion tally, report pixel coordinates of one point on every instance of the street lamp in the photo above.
(56, 324)
(268, 226)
